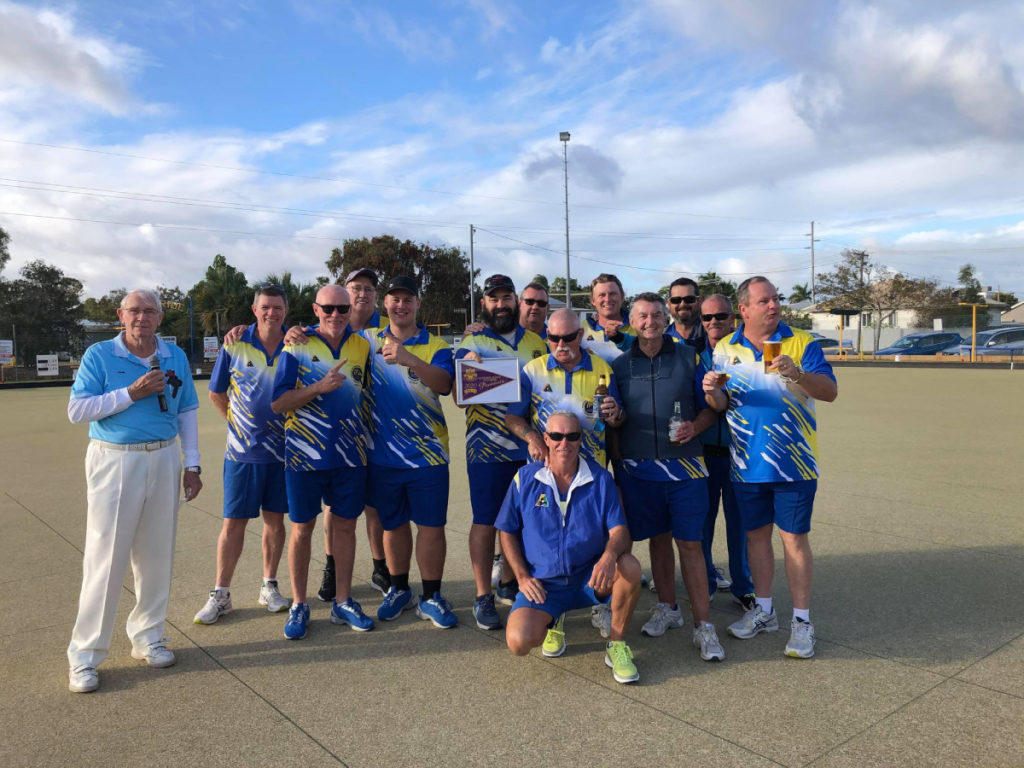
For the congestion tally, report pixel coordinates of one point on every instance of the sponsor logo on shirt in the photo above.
(542, 500)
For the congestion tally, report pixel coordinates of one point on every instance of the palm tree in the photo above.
(300, 296)
(222, 299)
(800, 293)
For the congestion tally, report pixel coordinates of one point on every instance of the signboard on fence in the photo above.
(6, 352)
(211, 346)
(46, 365)
(172, 340)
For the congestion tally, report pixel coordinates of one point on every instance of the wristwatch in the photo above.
(197, 470)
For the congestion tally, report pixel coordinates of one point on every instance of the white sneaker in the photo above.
(706, 639)
(601, 618)
(496, 571)
(801, 639)
(663, 616)
(83, 679)
(156, 654)
(722, 580)
(754, 621)
(218, 604)
(270, 596)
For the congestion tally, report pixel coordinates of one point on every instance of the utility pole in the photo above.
(564, 138)
(860, 317)
(814, 295)
(472, 279)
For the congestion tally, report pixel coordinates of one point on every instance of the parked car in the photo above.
(997, 341)
(926, 343)
(830, 344)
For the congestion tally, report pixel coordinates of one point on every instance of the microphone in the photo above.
(154, 365)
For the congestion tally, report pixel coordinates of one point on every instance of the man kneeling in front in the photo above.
(564, 535)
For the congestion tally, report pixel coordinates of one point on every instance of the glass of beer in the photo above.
(772, 349)
(720, 364)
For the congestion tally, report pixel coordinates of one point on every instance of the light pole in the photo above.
(564, 138)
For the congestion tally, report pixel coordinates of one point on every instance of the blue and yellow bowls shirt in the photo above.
(547, 387)
(245, 371)
(773, 426)
(406, 423)
(487, 438)
(597, 343)
(328, 431)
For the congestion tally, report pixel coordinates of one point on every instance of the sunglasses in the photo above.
(683, 299)
(572, 437)
(273, 286)
(716, 316)
(538, 302)
(329, 309)
(568, 337)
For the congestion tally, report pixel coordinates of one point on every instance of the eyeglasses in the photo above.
(329, 309)
(683, 299)
(572, 437)
(135, 312)
(539, 302)
(273, 286)
(716, 316)
(567, 338)
(360, 288)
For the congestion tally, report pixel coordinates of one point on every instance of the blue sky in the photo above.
(705, 136)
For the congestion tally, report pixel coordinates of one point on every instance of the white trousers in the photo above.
(132, 518)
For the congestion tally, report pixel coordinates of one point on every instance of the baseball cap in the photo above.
(364, 272)
(403, 283)
(497, 282)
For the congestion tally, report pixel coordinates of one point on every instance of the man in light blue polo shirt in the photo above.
(136, 393)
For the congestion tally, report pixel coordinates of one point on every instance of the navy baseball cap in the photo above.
(403, 283)
(498, 282)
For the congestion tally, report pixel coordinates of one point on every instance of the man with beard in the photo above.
(493, 453)
(684, 304)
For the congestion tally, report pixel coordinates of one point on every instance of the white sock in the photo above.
(764, 603)
(804, 614)
(221, 590)
(267, 580)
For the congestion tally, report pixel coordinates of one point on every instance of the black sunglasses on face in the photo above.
(572, 437)
(568, 337)
(716, 316)
(683, 299)
(329, 309)
(538, 302)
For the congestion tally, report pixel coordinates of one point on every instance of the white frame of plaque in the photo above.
(503, 366)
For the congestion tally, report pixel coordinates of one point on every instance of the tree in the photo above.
(580, 293)
(45, 308)
(104, 309)
(866, 285)
(944, 303)
(1005, 297)
(300, 296)
(710, 282)
(222, 299)
(5, 255)
(801, 292)
(543, 280)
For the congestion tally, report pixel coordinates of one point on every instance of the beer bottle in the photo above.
(674, 423)
(599, 395)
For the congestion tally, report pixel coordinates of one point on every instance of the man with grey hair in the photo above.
(662, 475)
(136, 393)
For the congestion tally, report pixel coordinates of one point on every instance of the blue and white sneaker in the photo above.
(351, 613)
(395, 601)
(298, 619)
(437, 610)
(484, 613)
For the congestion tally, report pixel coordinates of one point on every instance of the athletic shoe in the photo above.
(218, 604)
(381, 580)
(484, 613)
(496, 571)
(722, 580)
(746, 602)
(801, 639)
(618, 656)
(328, 586)
(601, 618)
(83, 679)
(554, 641)
(271, 597)
(155, 654)
(506, 593)
(351, 613)
(706, 639)
(438, 610)
(755, 620)
(663, 617)
(395, 601)
(298, 619)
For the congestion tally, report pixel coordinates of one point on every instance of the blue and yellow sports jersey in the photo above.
(487, 438)
(774, 429)
(245, 370)
(547, 387)
(328, 431)
(406, 422)
(595, 341)
(666, 470)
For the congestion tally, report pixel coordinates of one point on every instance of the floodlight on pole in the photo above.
(564, 138)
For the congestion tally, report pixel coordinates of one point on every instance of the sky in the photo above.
(138, 140)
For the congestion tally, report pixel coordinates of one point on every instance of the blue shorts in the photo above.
(562, 598)
(250, 487)
(653, 508)
(410, 494)
(787, 504)
(488, 483)
(342, 489)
